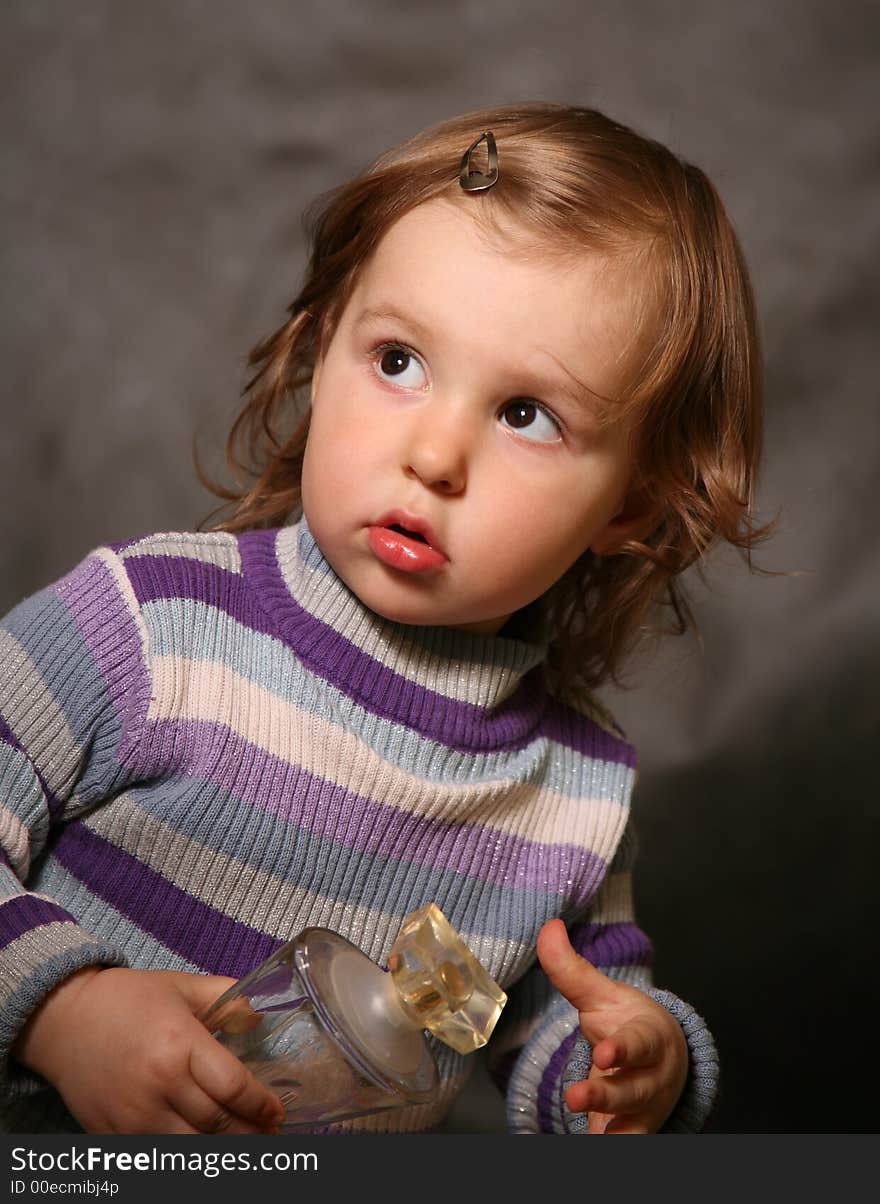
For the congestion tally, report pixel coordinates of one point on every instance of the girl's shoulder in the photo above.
(165, 566)
(221, 570)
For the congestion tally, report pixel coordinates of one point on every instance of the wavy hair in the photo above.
(571, 177)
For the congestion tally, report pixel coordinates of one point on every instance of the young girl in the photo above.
(517, 394)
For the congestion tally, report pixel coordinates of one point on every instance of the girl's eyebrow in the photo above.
(576, 391)
(385, 313)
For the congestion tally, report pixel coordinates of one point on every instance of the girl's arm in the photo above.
(74, 688)
(123, 1047)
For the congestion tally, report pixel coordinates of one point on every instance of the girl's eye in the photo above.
(400, 366)
(528, 419)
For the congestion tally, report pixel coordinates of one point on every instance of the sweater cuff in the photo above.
(701, 1086)
(40, 946)
(700, 1092)
(557, 1055)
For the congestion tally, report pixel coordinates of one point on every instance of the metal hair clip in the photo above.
(478, 181)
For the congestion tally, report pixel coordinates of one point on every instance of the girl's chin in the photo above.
(409, 599)
(418, 612)
(431, 618)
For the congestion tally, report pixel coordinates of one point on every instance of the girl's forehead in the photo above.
(476, 248)
(467, 225)
(496, 283)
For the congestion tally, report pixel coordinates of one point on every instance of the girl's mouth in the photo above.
(404, 548)
(409, 534)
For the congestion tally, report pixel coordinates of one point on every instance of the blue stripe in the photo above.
(54, 642)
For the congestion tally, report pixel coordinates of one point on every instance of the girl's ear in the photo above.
(636, 519)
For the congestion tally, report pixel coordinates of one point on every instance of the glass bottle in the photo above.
(335, 1036)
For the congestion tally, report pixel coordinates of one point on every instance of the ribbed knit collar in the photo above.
(473, 691)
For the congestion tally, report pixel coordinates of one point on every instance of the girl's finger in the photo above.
(176, 1124)
(159, 1115)
(573, 976)
(635, 1044)
(228, 1083)
(197, 1112)
(597, 1121)
(618, 1125)
(626, 1092)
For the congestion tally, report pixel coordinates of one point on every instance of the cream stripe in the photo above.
(614, 901)
(16, 841)
(208, 547)
(204, 690)
(29, 952)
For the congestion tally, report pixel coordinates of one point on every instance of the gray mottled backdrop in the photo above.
(156, 160)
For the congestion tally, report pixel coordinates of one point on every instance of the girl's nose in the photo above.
(437, 452)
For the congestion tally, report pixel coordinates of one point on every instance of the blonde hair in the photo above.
(571, 176)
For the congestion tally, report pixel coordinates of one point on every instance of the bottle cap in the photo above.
(441, 985)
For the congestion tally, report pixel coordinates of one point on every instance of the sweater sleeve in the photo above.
(545, 1050)
(74, 689)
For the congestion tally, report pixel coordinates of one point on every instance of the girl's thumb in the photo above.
(203, 990)
(573, 976)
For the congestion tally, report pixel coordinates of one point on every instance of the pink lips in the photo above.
(401, 549)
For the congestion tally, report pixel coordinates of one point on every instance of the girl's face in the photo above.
(455, 467)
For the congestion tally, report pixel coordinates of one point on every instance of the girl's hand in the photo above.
(128, 1055)
(640, 1055)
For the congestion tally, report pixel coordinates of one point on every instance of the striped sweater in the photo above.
(207, 744)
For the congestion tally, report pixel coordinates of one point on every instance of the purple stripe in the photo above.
(570, 728)
(621, 944)
(207, 937)
(159, 578)
(251, 774)
(24, 913)
(458, 725)
(92, 595)
(550, 1086)
(8, 735)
